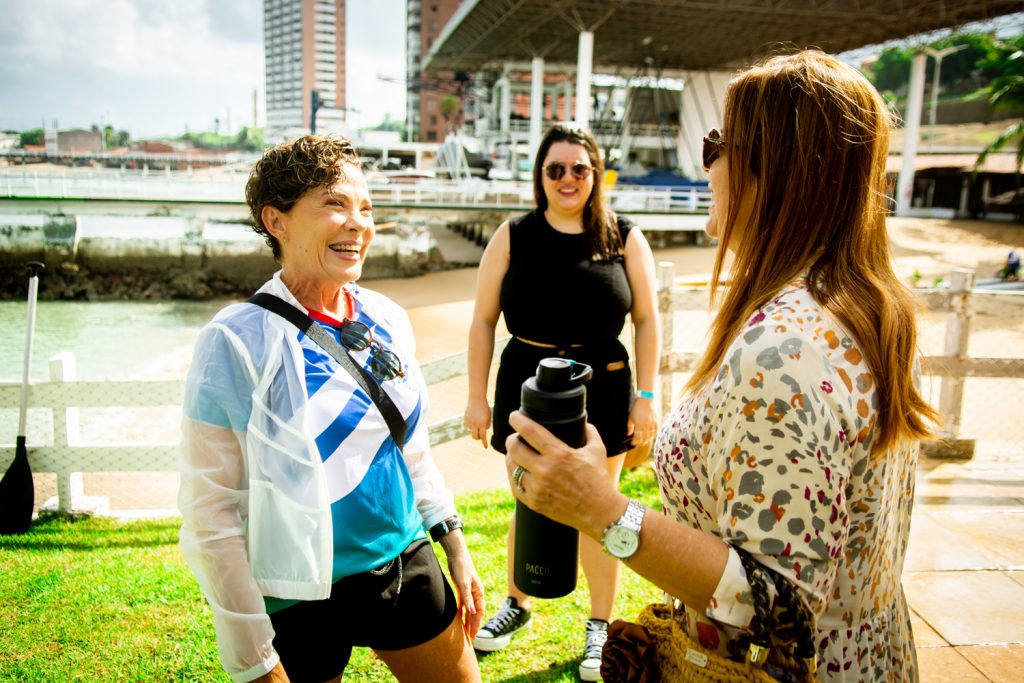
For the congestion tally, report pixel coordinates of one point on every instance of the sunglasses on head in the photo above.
(579, 171)
(713, 146)
(384, 364)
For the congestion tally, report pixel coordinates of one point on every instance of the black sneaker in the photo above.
(499, 629)
(597, 634)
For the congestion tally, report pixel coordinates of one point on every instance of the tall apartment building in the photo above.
(424, 21)
(304, 50)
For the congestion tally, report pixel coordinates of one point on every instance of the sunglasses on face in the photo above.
(384, 364)
(713, 146)
(579, 171)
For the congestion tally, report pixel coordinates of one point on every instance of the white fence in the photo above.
(952, 369)
(181, 186)
(61, 451)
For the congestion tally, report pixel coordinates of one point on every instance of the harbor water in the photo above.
(110, 340)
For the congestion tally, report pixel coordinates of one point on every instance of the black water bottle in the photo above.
(546, 552)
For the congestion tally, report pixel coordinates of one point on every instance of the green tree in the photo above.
(960, 70)
(396, 125)
(1007, 91)
(451, 111)
(891, 70)
(249, 139)
(31, 137)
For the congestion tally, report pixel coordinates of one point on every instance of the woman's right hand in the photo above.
(275, 675)
(478, 420)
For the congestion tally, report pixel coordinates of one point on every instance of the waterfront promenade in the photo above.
(964, 574)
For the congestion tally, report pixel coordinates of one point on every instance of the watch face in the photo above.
(621, 542)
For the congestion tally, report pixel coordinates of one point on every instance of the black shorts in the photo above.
(407, 605)
(609, 392)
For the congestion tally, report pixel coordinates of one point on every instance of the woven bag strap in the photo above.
(761, 641)
(792, 605)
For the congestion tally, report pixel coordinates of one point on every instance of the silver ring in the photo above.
(517, 478)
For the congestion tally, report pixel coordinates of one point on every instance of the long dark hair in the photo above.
(599, 225)
(808, 136)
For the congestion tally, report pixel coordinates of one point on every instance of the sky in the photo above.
(155, 67)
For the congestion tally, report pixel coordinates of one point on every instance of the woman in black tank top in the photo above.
(565, 275)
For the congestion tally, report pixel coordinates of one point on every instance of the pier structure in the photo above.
(614, 54)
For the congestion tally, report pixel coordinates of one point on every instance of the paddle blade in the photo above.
(17, 495)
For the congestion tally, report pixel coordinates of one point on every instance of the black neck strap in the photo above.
(369, 384)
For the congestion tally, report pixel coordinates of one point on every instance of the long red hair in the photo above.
(808, 135)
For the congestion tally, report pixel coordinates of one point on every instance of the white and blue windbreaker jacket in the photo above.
(272, 483)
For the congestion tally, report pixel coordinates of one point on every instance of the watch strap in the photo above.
(631, 520)
(633, 517)
(444, 527)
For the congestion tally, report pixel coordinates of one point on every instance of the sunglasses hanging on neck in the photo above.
(384, 364)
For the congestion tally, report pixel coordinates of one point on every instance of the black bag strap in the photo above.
(368, 382)
(804, 651)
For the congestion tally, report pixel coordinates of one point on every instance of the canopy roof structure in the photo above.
(678, 35)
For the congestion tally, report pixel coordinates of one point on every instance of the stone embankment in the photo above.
(117, 257)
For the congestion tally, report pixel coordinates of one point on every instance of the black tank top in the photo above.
(555, 292)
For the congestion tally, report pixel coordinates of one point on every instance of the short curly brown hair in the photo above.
(286, 172)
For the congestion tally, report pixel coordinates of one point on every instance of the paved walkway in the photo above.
(964, 574)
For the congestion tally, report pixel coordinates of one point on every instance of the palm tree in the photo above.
(1007, 91)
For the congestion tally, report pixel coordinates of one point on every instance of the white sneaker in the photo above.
(497, 633)
(597, 634)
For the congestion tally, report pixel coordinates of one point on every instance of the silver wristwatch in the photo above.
(623, 538)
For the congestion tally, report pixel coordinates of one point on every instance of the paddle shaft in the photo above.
(33, 290)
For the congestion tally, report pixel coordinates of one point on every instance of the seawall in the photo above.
(171, 257)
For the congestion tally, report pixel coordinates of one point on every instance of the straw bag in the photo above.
(659, 649)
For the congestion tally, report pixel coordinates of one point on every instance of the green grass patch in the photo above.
(94, 599)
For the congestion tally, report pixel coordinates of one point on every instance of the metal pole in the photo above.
(935, 94)
(584, 71)
(938, 55)
(911, 135)
(536, 105)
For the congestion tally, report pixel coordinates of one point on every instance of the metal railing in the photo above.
(181, 186)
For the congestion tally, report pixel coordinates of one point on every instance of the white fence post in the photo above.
(666, 275)
(66, 433)
(958, 331)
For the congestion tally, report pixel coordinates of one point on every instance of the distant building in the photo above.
(72, 141)
(425, 118)
(9, 141)
(304, 51)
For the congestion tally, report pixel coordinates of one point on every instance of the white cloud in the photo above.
(168, 39)
(157, 66)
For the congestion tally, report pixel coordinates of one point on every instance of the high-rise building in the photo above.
(304, 51)
(427, 119)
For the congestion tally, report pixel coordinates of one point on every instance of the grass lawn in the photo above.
(93, 599)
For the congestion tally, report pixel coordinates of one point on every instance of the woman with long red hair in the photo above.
(797, 438)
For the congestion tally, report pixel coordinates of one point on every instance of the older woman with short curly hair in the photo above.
(307, 485)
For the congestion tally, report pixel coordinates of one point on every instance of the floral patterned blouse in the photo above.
(775, 456)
